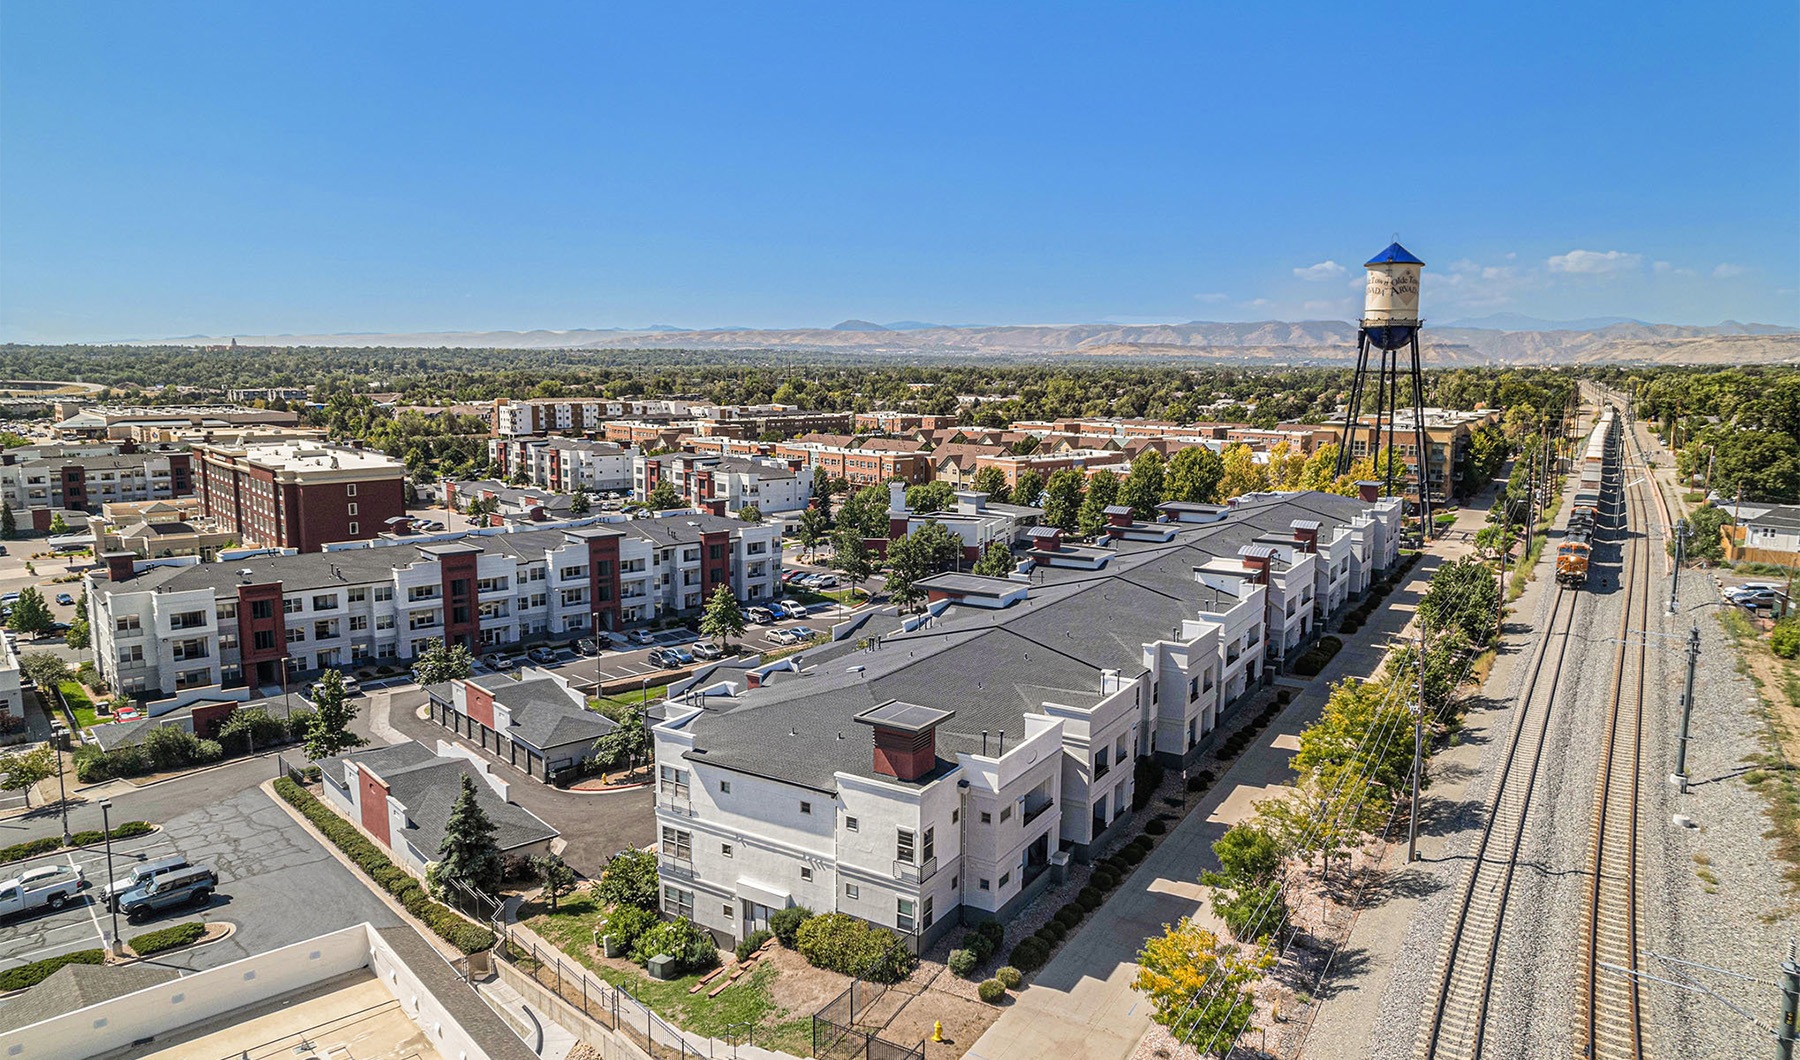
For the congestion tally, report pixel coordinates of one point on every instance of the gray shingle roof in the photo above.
(428, 786)
(76, 986)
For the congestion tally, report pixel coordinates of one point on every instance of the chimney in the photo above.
(905, 738)
(1257, 559)
(1370, 492)
(1306, 531)
(1118, 515)
(119, 566)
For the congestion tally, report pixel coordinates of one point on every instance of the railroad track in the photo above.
(1611, 1024)
(1467, 957)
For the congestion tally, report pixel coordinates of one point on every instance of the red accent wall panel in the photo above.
(480, 706)
(373, 798)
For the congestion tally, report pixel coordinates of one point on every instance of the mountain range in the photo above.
(1500, 339)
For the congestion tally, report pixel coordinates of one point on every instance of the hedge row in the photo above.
(1031, 953)
(1312, 662)
(1235, 743)
(31, 848)
(441, 919)
(1377, 593)
(167, 938)
(37, 971)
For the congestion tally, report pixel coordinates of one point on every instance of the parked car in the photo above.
(352, 687)
(589, 646)
(9, 599)
(825, 581)
(793, 607)
(803, 633)
(64, 598)
(642, 636)
(1756, 598)
(783, 636)
(805, 581)
(138, 875)
(761, 616)
(670, 658)
(541, 655)
(48, 886)
(190, 886)
(789, 575)
(708, 650)
(501, 661)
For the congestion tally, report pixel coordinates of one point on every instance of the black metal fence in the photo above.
(835, 1033)
(611, 1007)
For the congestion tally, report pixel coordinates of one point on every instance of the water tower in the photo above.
(1390, 325)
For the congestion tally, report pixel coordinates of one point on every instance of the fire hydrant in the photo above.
(937, 1030)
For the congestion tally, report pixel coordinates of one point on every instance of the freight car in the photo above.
(1598, 462)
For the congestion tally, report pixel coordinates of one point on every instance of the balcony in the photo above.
(1032, 814)
(907, 872)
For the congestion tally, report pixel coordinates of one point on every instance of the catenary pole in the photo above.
(1412, 815)
(1789, 1032)
(1687, 710)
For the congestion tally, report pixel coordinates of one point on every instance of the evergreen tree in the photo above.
(723, 618)
(468, 852)
(822, 489)
(996, 562)
(813, 526)
(1143, 487)
(1062, 499)
(579, 504)
(558, 878)
(58, 525)
(30, 613)
(9, 523)
(442, 662)
(1102, 493)
(328, 733)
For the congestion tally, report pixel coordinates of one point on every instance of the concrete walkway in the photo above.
(1081, 1004)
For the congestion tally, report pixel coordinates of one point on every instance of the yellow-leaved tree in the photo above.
(1198, 984)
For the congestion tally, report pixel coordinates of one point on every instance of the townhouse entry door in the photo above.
(756, 917)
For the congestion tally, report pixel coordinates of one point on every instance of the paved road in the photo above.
(276, 883)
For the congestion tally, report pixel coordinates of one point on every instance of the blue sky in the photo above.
(173, 169)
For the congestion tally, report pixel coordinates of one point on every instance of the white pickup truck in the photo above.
(47, 885)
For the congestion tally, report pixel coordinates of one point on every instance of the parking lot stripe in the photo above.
(95, 917)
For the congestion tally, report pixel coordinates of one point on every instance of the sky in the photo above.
(217, 169)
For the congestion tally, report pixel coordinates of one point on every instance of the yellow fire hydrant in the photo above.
(937, 1030)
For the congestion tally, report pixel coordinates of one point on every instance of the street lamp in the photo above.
(62, 791)
(112, 903)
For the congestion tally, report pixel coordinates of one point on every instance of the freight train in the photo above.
(1599, 459)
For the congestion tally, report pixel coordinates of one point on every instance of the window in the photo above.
(725, 850)
(296, 634)
(806, 807)
(851, 824)
(292, 605)
(677, 902)
(1193, 689)
(264, 639)
(227, 612)
(358, 596)
(955, 816)
(131, 654)
(1119, 750)
(227, 640)
(903, 846)
(350, 509)
(806, 873)
(851, 890)
(929, 849)
(982, 884)
(903, 914)
(986, 817)
(384, 592)
(724, 787)
(677, 844)
(1005, 814)
(727, 911)
(359, 623)
(673, 782)
(353, 529)
(1101, 768)
(1005, 878)
(350, 491)
(130, 623)
(262, 609)
(925, 913)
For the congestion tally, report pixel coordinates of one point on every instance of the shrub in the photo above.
(1133, 855)
(1009, 976)
(993, 931)
(133, 828)
(31, 848)
(626, 922)
(1053, 932)
(1199, 783)
(786, 924)
(167, 938)
(752, 942)
(1784, 640)
(841, 943)
(1089, 899)
(979, 945)
(691, 947)
(1070, 914)
(1284, 696)
(962, 963)
(991, 990)
(1147, 774)
(37, 971)
(1106, 881)
(1155, 827)
(1029, 955)
(630, 878)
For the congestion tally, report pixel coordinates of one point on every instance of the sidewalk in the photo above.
(1081, 1004)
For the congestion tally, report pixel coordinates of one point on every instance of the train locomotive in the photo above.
(1574, 553)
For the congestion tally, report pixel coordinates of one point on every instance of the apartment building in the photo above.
(893, 421)
(975, 520)
(725, 485)
(512, 504)
(83, 477)
(861, 462)
(164, 626)
(922, 771)
(12, 704)
(538, 416)
(536, 722)
(299, 495)
(564, 464)
(1447, 434)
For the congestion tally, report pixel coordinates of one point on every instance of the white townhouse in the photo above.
(930, 770)
(162, 626)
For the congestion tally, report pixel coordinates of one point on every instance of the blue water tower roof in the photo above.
(1394, 254)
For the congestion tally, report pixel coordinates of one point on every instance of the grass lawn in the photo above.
(571, 929)
(79, 704)
(614, 706)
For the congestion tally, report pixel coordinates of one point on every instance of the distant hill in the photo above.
(1521, 322)
(1267, 342)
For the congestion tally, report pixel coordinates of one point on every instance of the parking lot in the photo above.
(276, 883)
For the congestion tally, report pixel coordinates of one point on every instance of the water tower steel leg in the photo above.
(1422, 443)
(1355, 403)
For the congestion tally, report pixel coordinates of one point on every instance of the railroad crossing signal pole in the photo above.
(1687, 711)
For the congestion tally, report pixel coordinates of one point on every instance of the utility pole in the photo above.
(1687, 711)
(1412, 816)
(1681, 532)
(1789, 1031)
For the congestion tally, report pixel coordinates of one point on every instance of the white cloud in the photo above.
(1594, 262)
(1661, 268)
(1212, 297)
(1725, 270)
(1324, 270)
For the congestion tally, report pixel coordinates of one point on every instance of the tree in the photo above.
(1325, 814)
(1197, 984)
(630, 878)
(1286, 466)
(822, 489)
(1347, 736)
(443, 662)
(1062, 499)
(468, 852)
(30, 613)
(1320, 470)
(9, 523)
(723, 618)
(930, 497)
(1242, 474)
(992, 481)
(814, 524)
(329, 733)
(20, 770)
(1027, 487)
(1142, 489)
(663, 497)
(1102, 493)
(1247, 886)
(917, 556)
(996, 562)
(558, 878)
(1193, 475)
(1464, 597)
(751, 514)
(58, 525)
(1703, 541)
(866, 512)
(579, 504)
(44, 669)
(629, 742)
(80, 635)
(851, 557)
